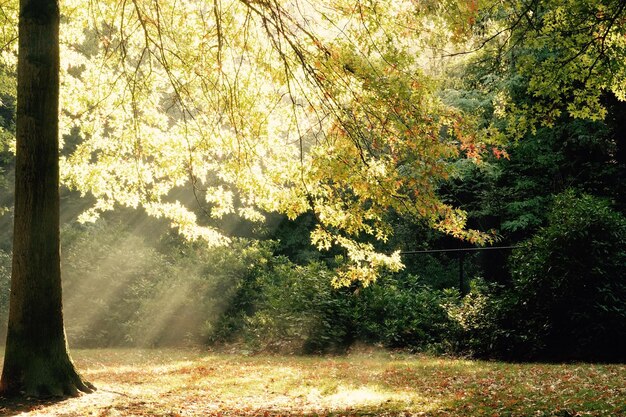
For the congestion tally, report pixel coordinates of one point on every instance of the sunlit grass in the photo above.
(195, 383)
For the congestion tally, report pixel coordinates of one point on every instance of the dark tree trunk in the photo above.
(36, 361)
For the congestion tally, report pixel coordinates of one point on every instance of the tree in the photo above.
(362, 108)
(551, 74)
(549, 58)
(36, 361)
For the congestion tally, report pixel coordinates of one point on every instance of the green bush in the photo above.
(121, 290)
(294, 309)
(403, 313)
(568, 296)
(290, 309)
(570, 282)
(107, 274)
(481, 319)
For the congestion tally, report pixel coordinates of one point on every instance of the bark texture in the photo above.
(37, 362)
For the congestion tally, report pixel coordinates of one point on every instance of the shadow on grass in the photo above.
(16, 406)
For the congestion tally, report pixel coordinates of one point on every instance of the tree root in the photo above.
(42, 379)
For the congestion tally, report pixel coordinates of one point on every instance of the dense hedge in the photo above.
(289, 308)
(568, 296)
(566, 299)
(570, 282)
(406, 313)
(121, 290)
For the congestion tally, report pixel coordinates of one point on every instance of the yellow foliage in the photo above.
(293, 107)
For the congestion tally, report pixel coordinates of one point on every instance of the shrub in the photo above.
(570, 282)
(290, 309)
(481, 319)
(107, 274)
(568, 295)
(121, 290)
(402, 313)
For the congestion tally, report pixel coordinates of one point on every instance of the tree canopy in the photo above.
(328, 107)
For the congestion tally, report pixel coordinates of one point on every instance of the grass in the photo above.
(194, 383)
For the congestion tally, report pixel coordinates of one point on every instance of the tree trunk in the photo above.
(36, 361)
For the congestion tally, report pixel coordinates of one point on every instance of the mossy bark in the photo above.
(37, 361)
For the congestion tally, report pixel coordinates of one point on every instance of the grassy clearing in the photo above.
(194, 383)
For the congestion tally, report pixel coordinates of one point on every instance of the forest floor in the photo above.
(365, 383)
